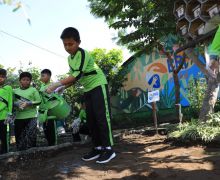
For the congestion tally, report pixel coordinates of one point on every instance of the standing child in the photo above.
(6, 103)
(50, 125)
(26, 100)
(84, 69)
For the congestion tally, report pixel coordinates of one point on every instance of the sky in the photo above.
(48, 19)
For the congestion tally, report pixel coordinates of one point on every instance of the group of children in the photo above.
(21, 104)
(97, 102)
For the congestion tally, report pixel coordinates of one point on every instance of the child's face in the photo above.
(70, 45)
(2, 79)
(25, 82)
(45, 78)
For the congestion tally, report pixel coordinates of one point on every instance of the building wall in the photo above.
(153, 71)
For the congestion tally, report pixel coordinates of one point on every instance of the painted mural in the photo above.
(154, 71)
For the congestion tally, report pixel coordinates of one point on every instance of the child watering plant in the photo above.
(91, 77)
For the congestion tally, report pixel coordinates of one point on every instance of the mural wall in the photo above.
(153, 71)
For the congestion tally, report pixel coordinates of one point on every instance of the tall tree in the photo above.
(140, 23)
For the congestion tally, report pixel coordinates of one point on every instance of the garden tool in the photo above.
(53, 106)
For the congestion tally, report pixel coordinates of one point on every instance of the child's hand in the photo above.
(75, 125)
(52, 87)
(60, 89)
(16, 104)
(25, 104)
(10, 118)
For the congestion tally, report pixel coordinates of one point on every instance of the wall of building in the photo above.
(153, 71)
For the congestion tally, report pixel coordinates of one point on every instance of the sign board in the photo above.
(153, 96)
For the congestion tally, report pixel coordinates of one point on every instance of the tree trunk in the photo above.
(212, 87)
(210, 99)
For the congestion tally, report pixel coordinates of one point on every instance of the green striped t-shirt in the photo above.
(6, 101)
(83, 67)
(29, 94)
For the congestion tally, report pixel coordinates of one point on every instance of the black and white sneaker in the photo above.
(106, 156)
(94, 154)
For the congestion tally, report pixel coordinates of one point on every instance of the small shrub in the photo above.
(196, 130)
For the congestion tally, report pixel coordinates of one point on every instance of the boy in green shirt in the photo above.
(6, 104)
(27, 98)
(91, 77)
(48, 126)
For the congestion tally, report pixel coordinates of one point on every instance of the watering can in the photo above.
(54, 107)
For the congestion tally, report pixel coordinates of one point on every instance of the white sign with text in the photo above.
(153, 96)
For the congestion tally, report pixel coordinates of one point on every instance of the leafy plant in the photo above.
(167, 97)
(195, 94)
(196, 130)
(139, 23)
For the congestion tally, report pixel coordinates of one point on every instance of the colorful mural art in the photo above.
(152, 72)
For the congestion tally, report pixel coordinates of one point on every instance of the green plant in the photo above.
(185, 131)
(196, 130)
(167, 98)
(195, 95)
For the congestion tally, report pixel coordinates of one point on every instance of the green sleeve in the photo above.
(10, 99)
(215, 46)
(82, 115)
(37, 98)
(79, 63)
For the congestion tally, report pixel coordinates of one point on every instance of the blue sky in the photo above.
(48, 19)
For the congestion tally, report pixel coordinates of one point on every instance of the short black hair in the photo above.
(46, 71)
(3, 72)
(25, 74)
(71, 32)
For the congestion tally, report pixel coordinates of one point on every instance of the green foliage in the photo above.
(109, 62)
(139, 23)
(73, 93)
(35, 76)
(217, 105)
(167, 98)
(196, 130)
(185, 131)
(12, 78)
(195, 95)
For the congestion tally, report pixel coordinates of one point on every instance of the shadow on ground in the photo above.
(138, 157)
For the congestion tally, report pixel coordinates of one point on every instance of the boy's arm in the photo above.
(67, 82)
(81, 60)
(10, 100)
(76, 72)
(37, 98)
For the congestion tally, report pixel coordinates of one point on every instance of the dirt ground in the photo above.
(138, 157)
